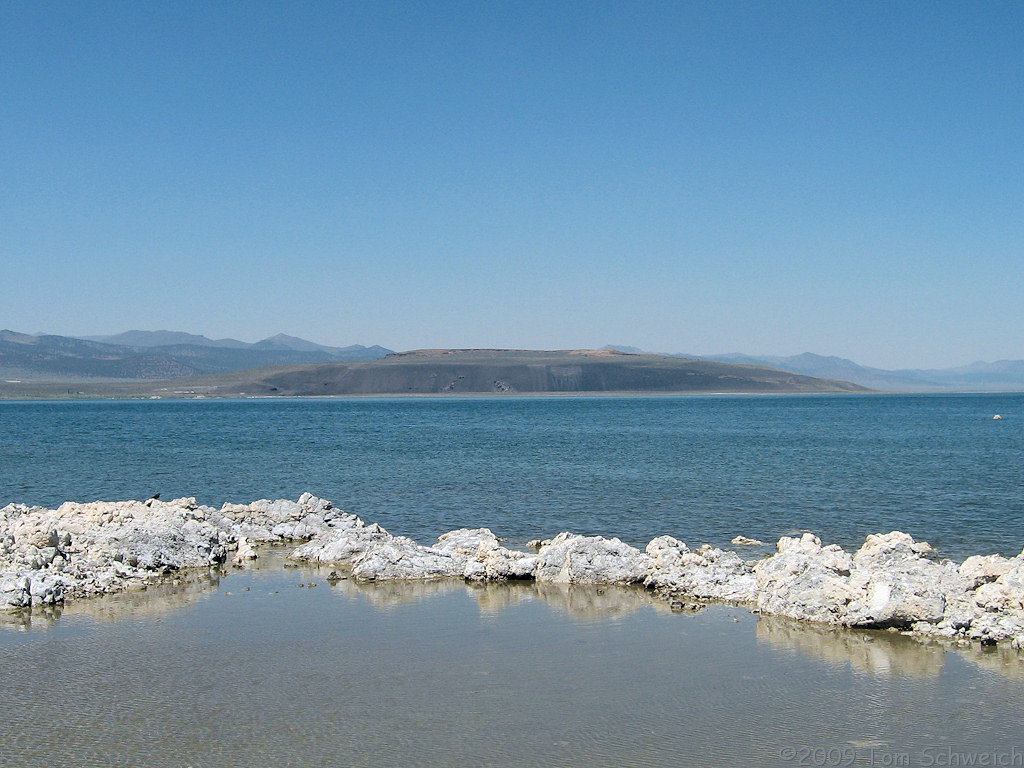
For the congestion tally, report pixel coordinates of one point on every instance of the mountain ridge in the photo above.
(152, 339)
(164, 338)
(67, 358)
(168, 354)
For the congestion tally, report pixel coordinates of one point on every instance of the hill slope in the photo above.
(512, 371)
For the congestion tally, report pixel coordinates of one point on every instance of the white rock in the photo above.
(896, 586)
(665, 551)
(983, 569)
(743, 541)
(15, 592)
(573, 559)
(342, 544)
(316, 505)
(804, 580)
(402, 558)
(46, 589)
(466, 541)
(244, 552)
(707, 573)
(300, 530)
(999, 608)
(81, 549)
(492, 562)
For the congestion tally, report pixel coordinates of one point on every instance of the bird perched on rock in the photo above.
(149, 502)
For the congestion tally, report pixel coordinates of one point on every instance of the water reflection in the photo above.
(42, 617)
(1002, 659)
(153, 602)
(872, 653)
(149, 601)
(579, 603)
(389, 594)
(883, 654)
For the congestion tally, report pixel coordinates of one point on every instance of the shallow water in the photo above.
(446, 673)
(703, 469)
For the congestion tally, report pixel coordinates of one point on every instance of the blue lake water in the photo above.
(701, 468)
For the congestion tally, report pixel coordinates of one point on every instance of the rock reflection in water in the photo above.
(43, 617)
(578, 602)
(157, 599)
(999, 659)
(387, 594)
(871, 652)
(882, 654)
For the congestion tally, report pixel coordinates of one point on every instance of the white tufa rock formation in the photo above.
(48, 556)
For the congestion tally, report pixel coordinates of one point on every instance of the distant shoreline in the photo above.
(458, 396)
(11, 398)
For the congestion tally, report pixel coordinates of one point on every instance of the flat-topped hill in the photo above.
(485, 371)
(464, 371)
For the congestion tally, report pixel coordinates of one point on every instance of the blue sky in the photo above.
(842, 178)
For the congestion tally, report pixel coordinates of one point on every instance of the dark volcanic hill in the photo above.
(473, 371)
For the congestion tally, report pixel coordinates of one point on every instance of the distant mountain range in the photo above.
(1000, 376)
(158, 355)
(151, 339)
(155, 355)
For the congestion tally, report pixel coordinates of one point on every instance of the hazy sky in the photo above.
(844, 178)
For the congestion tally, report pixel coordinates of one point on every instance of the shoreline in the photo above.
(462, 395)
(50, 556)
(631, 394)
